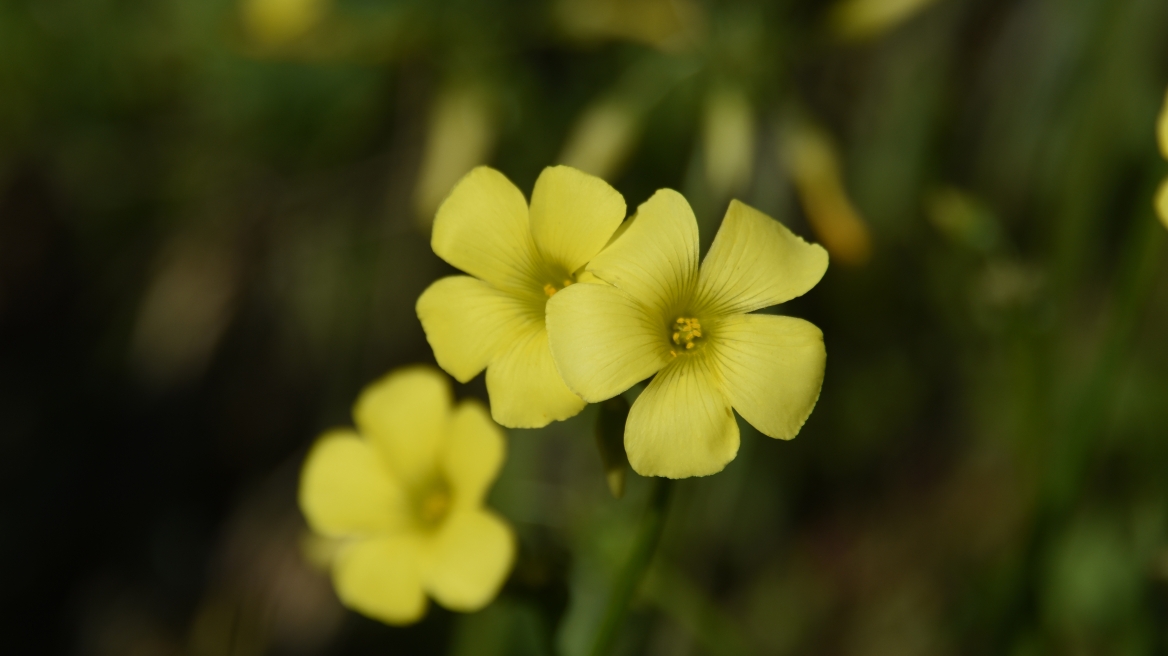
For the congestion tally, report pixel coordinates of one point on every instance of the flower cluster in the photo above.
(568, 303)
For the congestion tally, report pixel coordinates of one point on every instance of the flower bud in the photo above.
(728, 141)
(602, 138)
(278, 22)
(863, 19)
(461, 136)
(814, 165)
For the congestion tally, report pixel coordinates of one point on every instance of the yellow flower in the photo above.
(817, 174)
(1162, 202)
(1162, 129)
(404, 494)
(604, 134)
(661, 315)
(518, 259)
(460, 137)
(669, 25)
(1162, 137)
(862, 19)
(728, 141)
(279, 22)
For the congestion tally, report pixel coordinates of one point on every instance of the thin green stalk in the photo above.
(1139, 266)
(627, 580)
(1071, 452)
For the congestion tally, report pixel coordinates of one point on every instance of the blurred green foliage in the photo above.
(212, 234)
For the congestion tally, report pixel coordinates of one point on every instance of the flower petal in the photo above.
(482, 228)
(525, 388)
(468, 560)
(772, 370)
(756, 262)
(380, 578)
(603, 340)
(1162, 128)
(682, 425)
(573, 214)
(655, 257)
(404, 416)
(346, 490)
(473, 454)
(468, 323)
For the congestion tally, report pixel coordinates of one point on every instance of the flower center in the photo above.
(432, 504)
(687, 334)
(550, 288)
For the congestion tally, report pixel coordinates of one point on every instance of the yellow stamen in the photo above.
(687, 332)
(550, 288)
(434, 507)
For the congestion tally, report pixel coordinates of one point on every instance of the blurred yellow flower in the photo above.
(1162, 137)
(815, 170)
(404, 495)
(1162, 202)
(460, 137)
(277, 22)
(518, 259)
(600, 140)
(861, 19)
(1162, 128)
(663, 315)
(728, 141)
(669, 25)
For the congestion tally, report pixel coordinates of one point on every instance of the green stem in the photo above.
(634, 568)
(1068, 462)
(1139, 266)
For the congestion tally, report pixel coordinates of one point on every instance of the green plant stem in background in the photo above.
(629, 577)
(1139, 265)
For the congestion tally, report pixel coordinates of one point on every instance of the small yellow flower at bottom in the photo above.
(660, 314)
(404, 495)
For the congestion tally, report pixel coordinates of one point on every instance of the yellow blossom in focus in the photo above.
(517, 258)
(662, 314)
(1162, 137)
(403, 497)
(277, 22)
(861, 19)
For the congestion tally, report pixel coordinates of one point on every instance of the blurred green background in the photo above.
(213, 229)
